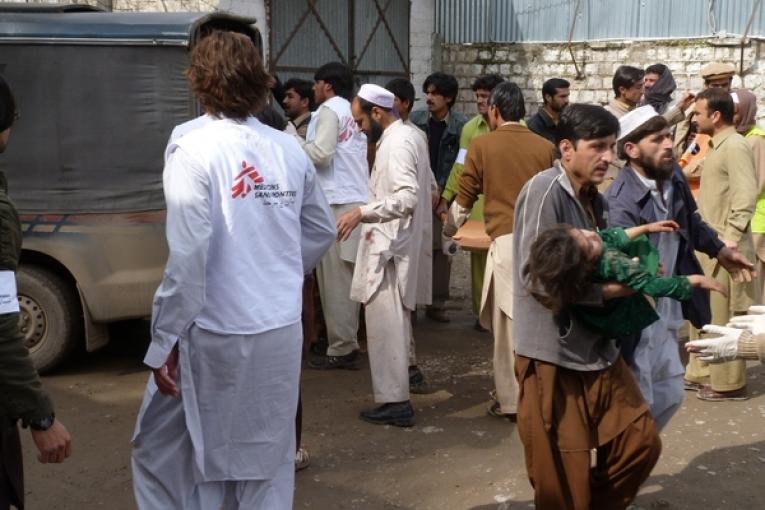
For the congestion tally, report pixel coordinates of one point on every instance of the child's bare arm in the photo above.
(651, 228)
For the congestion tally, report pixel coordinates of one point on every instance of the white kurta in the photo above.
(657, 365)
(397, 221)
(241, 236)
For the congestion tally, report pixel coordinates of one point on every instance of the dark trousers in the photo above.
(11, 469)
(442, 269)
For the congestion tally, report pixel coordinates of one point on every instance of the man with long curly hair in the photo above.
(245, 220)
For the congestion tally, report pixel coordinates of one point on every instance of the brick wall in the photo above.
(529, 65)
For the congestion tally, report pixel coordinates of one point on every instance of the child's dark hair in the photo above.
(558, 268)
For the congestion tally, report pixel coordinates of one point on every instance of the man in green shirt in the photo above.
(477, 126)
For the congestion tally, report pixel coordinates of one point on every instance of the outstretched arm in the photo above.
(651, 228)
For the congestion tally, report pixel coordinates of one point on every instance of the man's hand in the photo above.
(442, 210)
(435, 199)
(754, 323)
(54, 444)
(166, 375)
(716, 350)
(663, 226)
(613, 290)
(739, 267)
(347, 222)
(686, 101)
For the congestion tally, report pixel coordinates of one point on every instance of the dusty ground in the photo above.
(456, 457)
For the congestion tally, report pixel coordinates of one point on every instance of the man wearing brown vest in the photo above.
(497, 165)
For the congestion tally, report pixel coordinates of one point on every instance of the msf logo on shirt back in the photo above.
(247, 180)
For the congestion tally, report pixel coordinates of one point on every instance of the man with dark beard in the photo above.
(651, 188)
(394, 252)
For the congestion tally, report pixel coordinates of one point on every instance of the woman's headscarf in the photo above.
(660, 95)
(747, 110)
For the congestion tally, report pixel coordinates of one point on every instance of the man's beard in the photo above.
(558, 109)
(655, 172)
(375, 131)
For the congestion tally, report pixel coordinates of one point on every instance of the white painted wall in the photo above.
(253, 8)
(422, 45)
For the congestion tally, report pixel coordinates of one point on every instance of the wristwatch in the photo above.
(42, 424)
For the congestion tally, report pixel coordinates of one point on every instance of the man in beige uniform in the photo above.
(715, 75)
(727, 200)
(499, 174)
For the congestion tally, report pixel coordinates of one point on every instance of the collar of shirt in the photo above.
(392, 127)
(661, 198)
(445, 120)
(300, 119)
(546, 119)
(621, 106)
(720, 137)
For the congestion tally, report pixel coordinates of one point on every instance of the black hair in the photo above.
(551, 86)
(659, 69)
(339, 76)
(402, 89)
(719, 100)
(626, 76)
(487, 82)
(366, 106)
(508, 99)
(585, 122)
(558, 268)
(649, 127)
(304, 89)
(443, 84)
(7, 106)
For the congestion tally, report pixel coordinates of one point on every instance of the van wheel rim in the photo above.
(32, 322)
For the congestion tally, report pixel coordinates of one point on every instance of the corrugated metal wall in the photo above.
(461, 21)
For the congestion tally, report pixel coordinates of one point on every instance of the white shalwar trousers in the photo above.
(497, 315)
(228, 441)
(389, 334)
(659, 371)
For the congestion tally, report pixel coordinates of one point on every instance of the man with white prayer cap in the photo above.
(394, 250)
(650, 188)
(246, 219)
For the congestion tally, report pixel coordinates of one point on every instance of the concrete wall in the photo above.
(424, 47)
(529, 65)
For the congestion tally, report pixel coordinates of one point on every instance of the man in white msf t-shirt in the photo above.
(246, 220)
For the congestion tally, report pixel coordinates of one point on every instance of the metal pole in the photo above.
(579, 75)
(746, 33)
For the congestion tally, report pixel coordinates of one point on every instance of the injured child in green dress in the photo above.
(565, 260)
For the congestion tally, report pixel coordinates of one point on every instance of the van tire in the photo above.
(50, 318)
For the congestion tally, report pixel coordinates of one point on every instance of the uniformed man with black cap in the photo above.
(716, 75)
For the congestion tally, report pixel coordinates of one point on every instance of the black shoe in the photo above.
(351, 361)
(437, 314)
(477, 326)
(417, 383)
(319, 347)
(399, 414)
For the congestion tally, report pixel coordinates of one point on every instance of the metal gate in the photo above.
(370, 36)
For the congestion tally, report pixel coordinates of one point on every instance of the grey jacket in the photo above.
(450, 141)
(546, 200)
